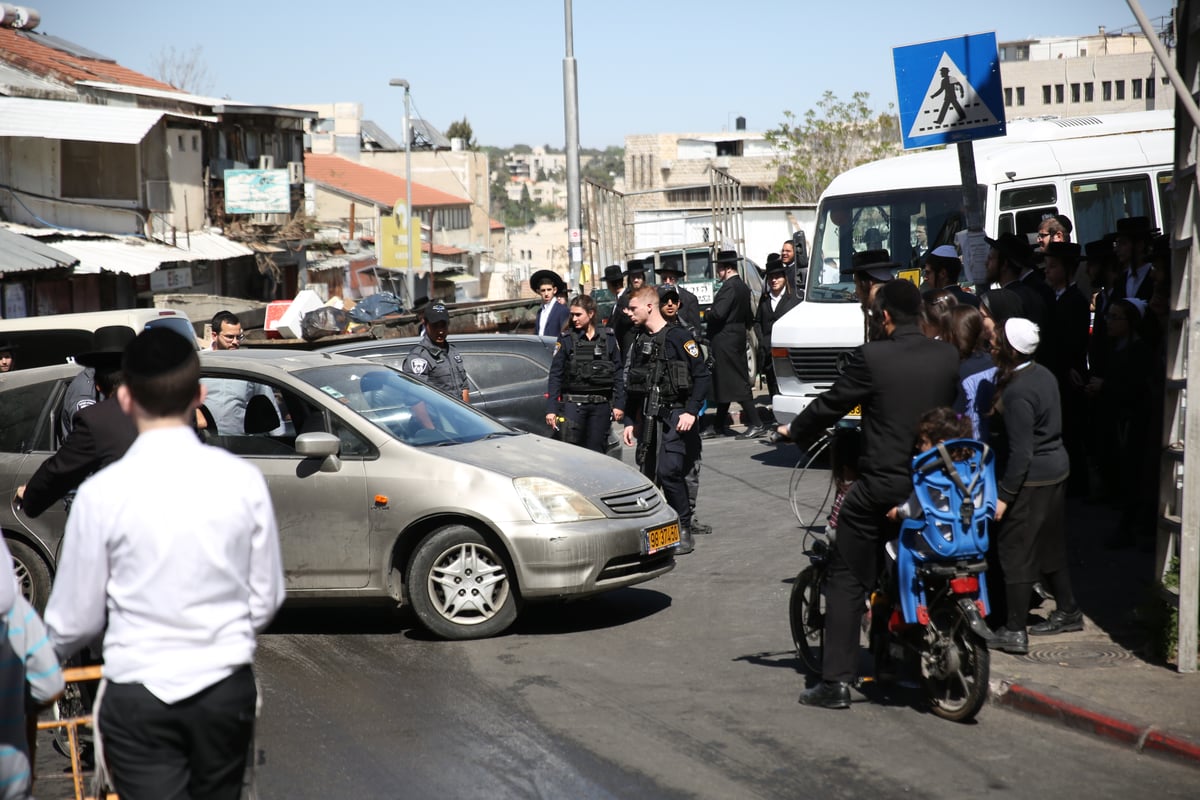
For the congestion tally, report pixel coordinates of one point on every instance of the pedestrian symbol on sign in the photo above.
(946, 87)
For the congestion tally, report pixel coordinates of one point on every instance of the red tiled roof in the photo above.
(495, 225)
(443, 249)
(374, 184)
(28, 54)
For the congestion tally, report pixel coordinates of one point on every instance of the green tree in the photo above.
(830, 139)
(461, 129)
(604, 165)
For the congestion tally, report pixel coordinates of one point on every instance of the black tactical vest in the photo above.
(589, 369)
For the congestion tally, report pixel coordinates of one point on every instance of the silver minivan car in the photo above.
(386, 489)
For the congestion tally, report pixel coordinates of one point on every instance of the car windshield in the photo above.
(405, 408)
(907, 223)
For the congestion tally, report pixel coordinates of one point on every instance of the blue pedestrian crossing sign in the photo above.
(949, 90)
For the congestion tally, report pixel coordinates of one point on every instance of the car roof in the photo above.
(23, 377)
(271, 360)
(375, 345)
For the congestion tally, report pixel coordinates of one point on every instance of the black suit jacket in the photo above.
(101, 435)
(764, 320)
(896, 380)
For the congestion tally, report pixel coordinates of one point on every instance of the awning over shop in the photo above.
(87, 122)
(133, 255)
(24, 254)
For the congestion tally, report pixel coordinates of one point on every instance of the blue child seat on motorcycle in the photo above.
(958, 497)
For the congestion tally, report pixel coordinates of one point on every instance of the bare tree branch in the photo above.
(185, 71)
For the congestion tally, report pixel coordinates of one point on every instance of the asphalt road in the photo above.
(682, 687)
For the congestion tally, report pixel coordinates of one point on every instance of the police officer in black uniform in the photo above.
(672, 356)
(434, 361)
(586, 379)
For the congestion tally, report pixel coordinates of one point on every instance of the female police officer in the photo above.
(586, 379)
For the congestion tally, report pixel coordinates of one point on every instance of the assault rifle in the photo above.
(647, 449)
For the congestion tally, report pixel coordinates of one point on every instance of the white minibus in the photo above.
(1095, 170)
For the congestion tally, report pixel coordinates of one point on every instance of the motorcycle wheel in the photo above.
(807, 612)
(956, 676)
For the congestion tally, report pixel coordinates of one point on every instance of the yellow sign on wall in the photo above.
(392, 249)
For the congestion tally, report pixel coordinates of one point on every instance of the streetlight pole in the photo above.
(571, 107)
(408, 209)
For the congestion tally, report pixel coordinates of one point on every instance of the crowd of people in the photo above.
(1058, 364)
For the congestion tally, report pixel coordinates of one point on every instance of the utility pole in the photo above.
(571, 107)
(408, 209)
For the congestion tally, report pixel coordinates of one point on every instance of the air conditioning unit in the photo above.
(266, 162)
(295, 172)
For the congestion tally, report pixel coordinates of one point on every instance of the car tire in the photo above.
(459, 586)
(31, 572)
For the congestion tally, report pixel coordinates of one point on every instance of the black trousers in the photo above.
(677, 456)
(587, 424)
(195, 748)
(854, 570)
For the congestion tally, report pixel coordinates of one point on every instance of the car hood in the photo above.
(527, 455)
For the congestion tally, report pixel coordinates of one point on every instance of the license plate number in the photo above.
(660, 538)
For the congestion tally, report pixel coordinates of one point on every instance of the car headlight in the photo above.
(549, 501)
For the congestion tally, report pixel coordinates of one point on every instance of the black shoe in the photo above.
(714, 433)
(687, 542)
(757, 432)
(700, 529)
(1015, 642)
(1059, 622)
(827, 694)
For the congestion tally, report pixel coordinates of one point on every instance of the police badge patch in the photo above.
(691, 348)
(418, 366)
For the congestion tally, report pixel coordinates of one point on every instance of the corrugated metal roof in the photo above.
(372, 131)
(55, 119)
(132, 255)
(24, 254)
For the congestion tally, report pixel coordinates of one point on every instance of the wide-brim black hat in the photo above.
(635, 266)
(613, 273)
(672, 266)
(874, 264)
(1067, 252)
(8, 346)
(1136, 228)
(108, 346)
(774, 265)
(728, 257)
(1014, 247)
(543, 275)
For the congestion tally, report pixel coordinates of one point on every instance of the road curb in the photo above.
(1056, 706)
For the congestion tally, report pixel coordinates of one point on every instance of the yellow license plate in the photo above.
(855, 412)
(660, 538)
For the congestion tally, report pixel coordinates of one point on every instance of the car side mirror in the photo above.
(320, 444)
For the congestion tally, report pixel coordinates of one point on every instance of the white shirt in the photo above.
(175, 545)
(775, 298)
(544, 316)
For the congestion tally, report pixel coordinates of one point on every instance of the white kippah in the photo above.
(1022, 334)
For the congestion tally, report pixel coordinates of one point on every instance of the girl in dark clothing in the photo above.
(976, 370)
(1033, 464)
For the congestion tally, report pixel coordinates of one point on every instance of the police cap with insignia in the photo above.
(667, 292)
(436, 313)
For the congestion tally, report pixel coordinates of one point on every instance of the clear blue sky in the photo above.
(644, 67)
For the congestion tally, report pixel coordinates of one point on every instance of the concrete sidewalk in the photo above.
(1104, 680)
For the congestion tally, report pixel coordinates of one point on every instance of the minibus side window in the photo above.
(1099, 203)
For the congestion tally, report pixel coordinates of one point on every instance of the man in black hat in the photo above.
(1066, 346)
(622, 325)
(895, 378)
(101, 433)
(1009, 259)
(943, 268)
(6, 356)
(870, 269)
(107, 342)
(688, 305)
(728, 320)
(776, 301)
(178, 580)
(1134, 238)
(552, 316)
(434, 361)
